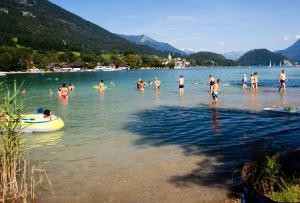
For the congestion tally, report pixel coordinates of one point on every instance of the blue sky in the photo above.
(199, 25)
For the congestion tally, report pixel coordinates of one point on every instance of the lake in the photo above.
(128, 146)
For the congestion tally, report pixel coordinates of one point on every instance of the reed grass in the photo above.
(17, 175)
(289, 192)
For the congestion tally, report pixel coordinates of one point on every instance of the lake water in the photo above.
(127, 146)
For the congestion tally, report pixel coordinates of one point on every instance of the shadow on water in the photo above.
(225, 136)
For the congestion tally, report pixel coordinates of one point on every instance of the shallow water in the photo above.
(127, 146)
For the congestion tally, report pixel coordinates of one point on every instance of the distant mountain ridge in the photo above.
(261, 57)
(292, 52)
(44, 26)
(204, 58)
(147, 41)
(233, 55)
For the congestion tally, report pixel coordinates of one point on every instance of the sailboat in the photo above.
(274, 64)
(270, 66)
(280, 64)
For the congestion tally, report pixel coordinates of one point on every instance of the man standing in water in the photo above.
(214, 92)
(181, 84)
(157, 84)
(282, 79)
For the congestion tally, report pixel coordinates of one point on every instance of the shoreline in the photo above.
(145, 68)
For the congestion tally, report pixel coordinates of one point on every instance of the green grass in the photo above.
(290, 193)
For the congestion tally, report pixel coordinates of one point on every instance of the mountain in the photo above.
(44, 26)
(209, 58)
(147, 41)
(233, 55)
(261, 57)
(188, 52)
(292, 52)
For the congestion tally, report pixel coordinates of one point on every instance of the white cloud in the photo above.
(297, 36)
(286, 38)
(222, 44)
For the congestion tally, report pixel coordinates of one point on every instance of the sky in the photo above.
(198, 25)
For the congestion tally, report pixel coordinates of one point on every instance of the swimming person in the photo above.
(71, 87)
(244, 81)
(64, 91)
(282, 79)
(101, 86)
(142, 85)
(50, 91)
(157, 84)
(181, 84)
(215, 91)
(211, 81)
(138, 83)
(112, 85)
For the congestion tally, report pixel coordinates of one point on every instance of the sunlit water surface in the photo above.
(128, 146)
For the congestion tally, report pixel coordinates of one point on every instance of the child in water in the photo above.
(48, 114)
(215, 91)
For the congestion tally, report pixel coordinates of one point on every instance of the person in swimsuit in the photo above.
(282, 79)
(142, 85)
(101, 86)
(157, 84)
(71, 87)
(215, 91)
(181, 84)
(64, 91)
(138, 83)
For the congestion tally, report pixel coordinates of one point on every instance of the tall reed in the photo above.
(17, 183)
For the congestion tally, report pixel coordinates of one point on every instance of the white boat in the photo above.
(270, 64)
(103, 68)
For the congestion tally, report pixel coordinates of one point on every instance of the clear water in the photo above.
(127, 146)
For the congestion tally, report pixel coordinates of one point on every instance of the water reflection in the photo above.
(215, 121)
(39, 140)
(282, 100)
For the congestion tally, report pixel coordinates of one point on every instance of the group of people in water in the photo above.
(254, 81)
(140, 84)
(64, 90)
(213, 83)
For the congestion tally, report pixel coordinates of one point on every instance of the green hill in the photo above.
(43, 26)
(261, 57)
(209, 59)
